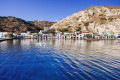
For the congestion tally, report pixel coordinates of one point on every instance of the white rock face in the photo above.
(94, 19)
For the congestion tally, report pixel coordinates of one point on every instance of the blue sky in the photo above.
(51, 10)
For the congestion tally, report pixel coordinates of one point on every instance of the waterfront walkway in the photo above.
(3, 39)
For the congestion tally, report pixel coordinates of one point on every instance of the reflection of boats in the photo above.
(92, 39)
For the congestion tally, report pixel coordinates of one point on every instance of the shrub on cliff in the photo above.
(110, 19)
(86, 24)
(78, 29)
(103, 18)
(64, 30)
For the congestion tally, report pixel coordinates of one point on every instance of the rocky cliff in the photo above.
(13, 24)
(95, 19)
(39, 24)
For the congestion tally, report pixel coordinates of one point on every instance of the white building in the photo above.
(81, 36)
(77, 34)
(25, 35)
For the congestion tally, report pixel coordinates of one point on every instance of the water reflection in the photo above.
(58, 59)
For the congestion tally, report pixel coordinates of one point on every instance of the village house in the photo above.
(116, 35)
(3, 34)
(71, 35)
(59, 35)
(66, 35)
(25, 35)
(81, 36)
(77, 34)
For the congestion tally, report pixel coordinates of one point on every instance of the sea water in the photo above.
(31, 59)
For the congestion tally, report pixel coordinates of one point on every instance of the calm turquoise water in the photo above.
(59, 60)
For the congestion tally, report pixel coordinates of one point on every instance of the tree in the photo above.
(111, 19)
(78, 29)
(88, 35)
(38, 28)
(51, 31)
(18, 33)
(10, 35)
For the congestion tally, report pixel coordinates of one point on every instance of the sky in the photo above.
(50, 10)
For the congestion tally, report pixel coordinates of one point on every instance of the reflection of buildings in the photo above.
(109, 47)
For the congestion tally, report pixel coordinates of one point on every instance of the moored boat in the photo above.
(119, 36)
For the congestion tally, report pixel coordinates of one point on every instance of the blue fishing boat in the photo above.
(119, 36)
